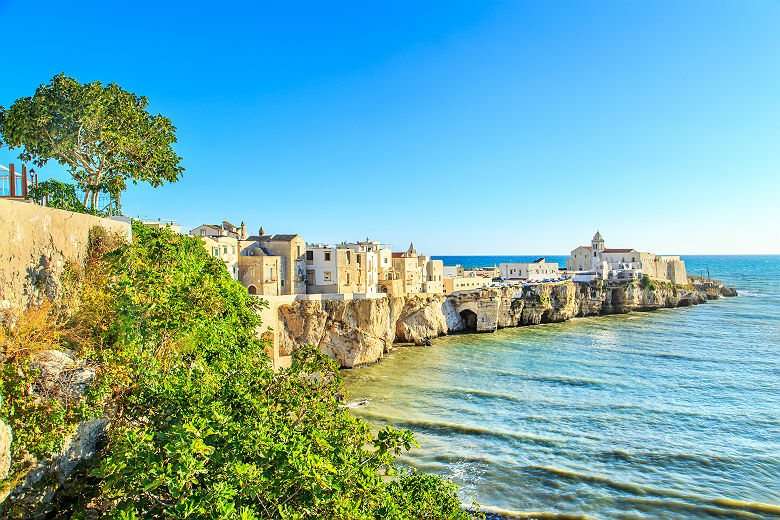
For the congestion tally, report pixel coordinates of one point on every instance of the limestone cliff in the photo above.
(356, 332)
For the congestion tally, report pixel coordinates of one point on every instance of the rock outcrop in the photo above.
(356, 332)
(62, 377)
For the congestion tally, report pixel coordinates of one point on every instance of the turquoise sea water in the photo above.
(668, 414)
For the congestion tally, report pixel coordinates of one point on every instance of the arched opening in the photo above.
(252, 289)
(469, 318)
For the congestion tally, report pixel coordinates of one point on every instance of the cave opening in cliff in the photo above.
(469, 318)
(546, 316)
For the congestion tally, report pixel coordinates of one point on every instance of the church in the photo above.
(598, 262)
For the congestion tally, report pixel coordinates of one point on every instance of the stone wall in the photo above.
(35, 243)
(356, 332)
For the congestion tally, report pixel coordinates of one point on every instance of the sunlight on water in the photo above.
(670, 414)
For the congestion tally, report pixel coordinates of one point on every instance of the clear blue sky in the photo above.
(469, 127)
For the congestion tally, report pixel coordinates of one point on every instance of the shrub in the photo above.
(203, 427)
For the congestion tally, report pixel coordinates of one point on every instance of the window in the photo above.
(358, 259)
(326, 276)
(310, 256)
(347, 278)
(224, 250)
(348, 258)
(299, 251)
(282, 283)
(327, 256)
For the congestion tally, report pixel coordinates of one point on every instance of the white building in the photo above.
(535, 271)
(453, 271)
(598, 262)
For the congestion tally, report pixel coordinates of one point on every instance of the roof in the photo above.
(217, 228)
(538, 260)
(398, 255)
(283, 238)
(619, 251)
(229, 224)
(272, 238)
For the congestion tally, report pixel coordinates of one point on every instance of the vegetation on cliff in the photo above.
(201, 426)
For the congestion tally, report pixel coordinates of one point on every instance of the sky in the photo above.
(515, 127)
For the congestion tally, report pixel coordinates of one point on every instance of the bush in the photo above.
(203, 427)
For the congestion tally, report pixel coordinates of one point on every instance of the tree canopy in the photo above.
(101, 133)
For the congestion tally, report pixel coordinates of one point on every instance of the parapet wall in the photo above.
(35, 243)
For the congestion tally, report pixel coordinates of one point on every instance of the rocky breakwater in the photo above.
(356, 332)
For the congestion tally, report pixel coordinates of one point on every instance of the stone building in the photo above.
(433, 273)
(224, 247)
(292, 251)
(259, 269)
(596, 261)
(264, 264)
(464, 283)
(332, 270)
(535, 271)
(225, 229)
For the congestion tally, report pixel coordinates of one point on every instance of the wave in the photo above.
(442, 428)
(559, 380)
(499, 513)
(725, 507)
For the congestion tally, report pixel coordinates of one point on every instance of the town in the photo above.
(285, 264)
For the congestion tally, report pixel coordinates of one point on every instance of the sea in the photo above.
(671, 414)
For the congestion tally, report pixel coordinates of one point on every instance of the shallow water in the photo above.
(669, 414)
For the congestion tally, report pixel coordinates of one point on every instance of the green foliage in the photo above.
(102, 134)
(202, 426)
(646, 283)
(60, 195)
(223, 436)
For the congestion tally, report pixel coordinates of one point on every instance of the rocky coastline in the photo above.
(358, 332)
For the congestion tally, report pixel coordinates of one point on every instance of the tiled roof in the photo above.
(620, 250)
(282, 238)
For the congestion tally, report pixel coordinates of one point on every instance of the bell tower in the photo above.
(597, 244)
(596, 247)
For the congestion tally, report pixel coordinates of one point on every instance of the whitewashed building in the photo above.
(535, 271)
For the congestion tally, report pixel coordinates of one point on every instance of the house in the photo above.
(332, 270)
(259, 269)
(292, 251)
(535, 271)
(224, 229)
(225, 248)
(464, 283)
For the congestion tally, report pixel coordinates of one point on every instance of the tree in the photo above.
(102, 134)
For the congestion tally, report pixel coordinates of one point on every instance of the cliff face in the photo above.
(356, 332)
